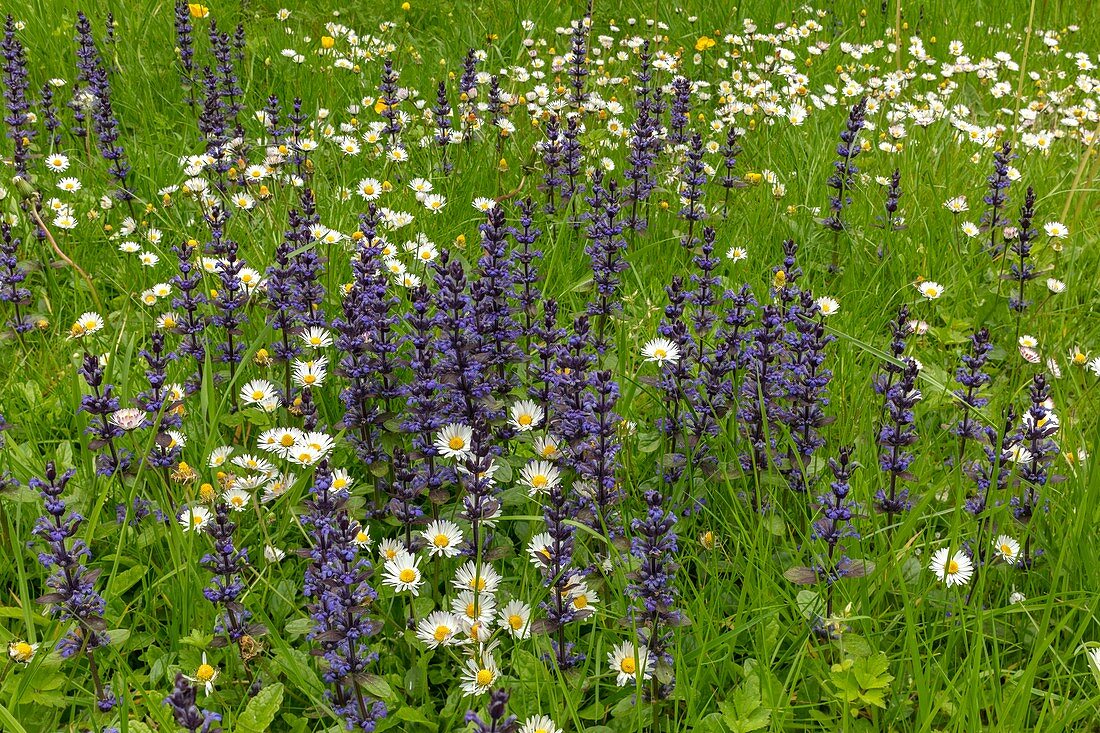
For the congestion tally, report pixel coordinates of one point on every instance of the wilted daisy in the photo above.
(952, 569)
(273, 553)
(515, 618)
(443, 538)
(453, 441)
(1007, 548)
(475, 577)
(480, 675)
(540, 477)
(21, 651)
(526, 414)
(930, 289)
(204, 675)
(660, 350)
(194, 519)
(438, 629)
(626, 662)
(402, 573)
(539, 724)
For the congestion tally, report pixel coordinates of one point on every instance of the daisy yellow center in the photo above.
(286, 441)
(952, 568)
(525, 420)
(362, 537)
(196, 520)
(257, 394)
(478, 583)
(580, 601)
(472, 610)
(456, 443)
(515, 621)
(549, 450)
(314, 340)
(237, 501)
(169, 322)
(628, 665)
(1006, 550)
(441, 633)
(539, 481)
(310, 379)
(441, 540)
(660, 353)
(22, 650)
(425, 255)
(1078, 358)
(204, 673)
(485, 677)
(408, 575)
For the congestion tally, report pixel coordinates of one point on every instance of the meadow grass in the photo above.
(895, 650)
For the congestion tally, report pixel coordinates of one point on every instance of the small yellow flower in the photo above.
(327, 41)
(406, 7)
(262, 357)
(704, 43)
(197, 10)
(207, 493)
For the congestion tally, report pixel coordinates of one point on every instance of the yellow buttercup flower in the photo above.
(327, 41)
(197, 10)
(704, 43)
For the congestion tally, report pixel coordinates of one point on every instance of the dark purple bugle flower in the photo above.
(693, 178)
(558, 574)
(231, 296)
(441, 114)
(897, 434)
(599, 455)
(72, 595)
(805, 384)
(1035, 454)
(186, 713)
(644, 143)
(406, 490)
(653, 588)
(899, 329)
(997, 198)
(759, 394)
(527, 274)
(679, 110)
(192, 323)
(490, 294)
(100, 404)
(837, 511)
(499, 720)
(548, 338)
(1022, 271)
(605, 251)
(16, 84)
(572, 161)
(186, 48)
(49, 116)
(12, 277)
(844, 170)
(227, 563)
(389, 97)
(972, 378)
(570, 398)
(553, 155)
(578, 61)
(339, 594)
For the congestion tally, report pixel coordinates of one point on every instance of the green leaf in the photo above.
(378, 687)
(744, 711)
(136, 726)
(9, 721)
(261, 709)
(298, 627)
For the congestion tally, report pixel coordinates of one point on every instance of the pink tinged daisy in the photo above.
(403, 574)
(628, 663)
(951, 569)
(661, 350)
(438, 629)
(526, 415)
(194, 519)
(443, 538)
(128, 418)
